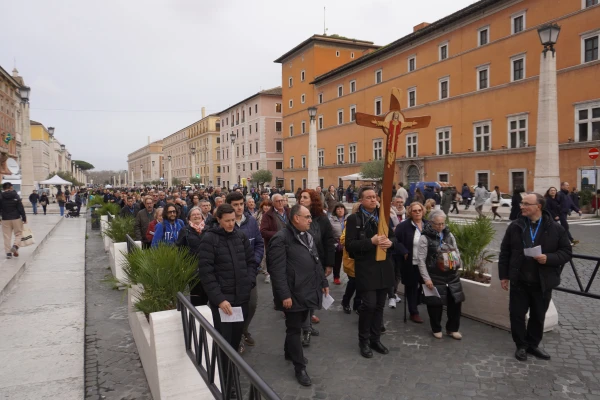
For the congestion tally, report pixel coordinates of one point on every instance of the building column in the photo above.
(313, 166)
(546, 147)
(262, 143)
(26, 154)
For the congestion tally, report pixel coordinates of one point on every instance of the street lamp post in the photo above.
(193, 151)
(26, 149)
(169, 182)
(152, 175)
(546, 147)
(233, 174)
(141, 174)
(313, 163)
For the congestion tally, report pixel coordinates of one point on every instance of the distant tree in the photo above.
(195, 180)
(372, 170)
(176, 182)
(84, 165)
(262, 176)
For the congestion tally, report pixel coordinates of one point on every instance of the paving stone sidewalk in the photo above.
(113, 369)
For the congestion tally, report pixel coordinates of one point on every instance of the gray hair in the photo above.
(249, 198)
(437, 214)
(192, 209)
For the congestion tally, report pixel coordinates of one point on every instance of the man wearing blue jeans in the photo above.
(33, 199)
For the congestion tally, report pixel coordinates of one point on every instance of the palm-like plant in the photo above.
(472, 240)
(119, 228)
(112, 208)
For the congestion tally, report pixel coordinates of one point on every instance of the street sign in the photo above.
(593, 153)
(197, 175)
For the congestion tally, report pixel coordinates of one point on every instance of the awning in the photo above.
(55, 180)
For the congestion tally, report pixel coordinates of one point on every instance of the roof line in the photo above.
(262, 92)
(328, 39)
(10, 77)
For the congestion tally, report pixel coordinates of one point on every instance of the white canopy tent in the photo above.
(55, 180)
(357, 177)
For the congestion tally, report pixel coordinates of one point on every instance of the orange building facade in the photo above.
(474, 72)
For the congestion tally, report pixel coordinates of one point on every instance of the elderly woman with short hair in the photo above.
(439, 262)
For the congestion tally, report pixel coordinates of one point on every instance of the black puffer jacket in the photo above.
(322, 232)
(555, 245)
(446, 282)
(190, 238)
(11, 205)
(295, 273)
(226, 266)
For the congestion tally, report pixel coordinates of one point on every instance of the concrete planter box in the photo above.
(103, 227)
(488, 303)
(169, 371)
(116, 257)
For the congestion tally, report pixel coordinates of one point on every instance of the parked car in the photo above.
(505, 200)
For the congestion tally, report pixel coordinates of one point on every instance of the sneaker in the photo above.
(398, 298)
(9, 255)
(247, 338)
(242, 348)
(454, 335)
(268, 279)
(15, 251)
(392, 303)
(336, 281)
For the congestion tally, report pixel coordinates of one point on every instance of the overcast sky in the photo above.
(108, 74)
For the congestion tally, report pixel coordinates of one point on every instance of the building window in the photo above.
(352, 86)
(291, 103)
(320, 98)
(302, 98)
(340, 154)
(292, 185)
(518, 22)
(277, 126)
(483, 77)
(483, 36)
(411, 145)
(443, 52)
(377, 149)
(378, 76)
(290, 82)
(277, 108)
(444, 88)
(303, 161)
(412, 63)
(337, 53)
(340, 117)
(292, 130)
(256, 108)
(250, 129)
(242, 131)
(442, 177)
(302, 76)
(589, 47)
(517, 68)
(278, 165)
(303, 183)
(321, 157)
(412, 97)
(587, 122)
(278, 146)
(303, 126)
(589, 3)
(256, 127)
(256, 151)
(352, 153)
(352, 113)
(250, 151)
(378, 106)
(517, 132)
(352, 55)
(443, 141)
(292, 162)
(483, 177)
(482, 136)
(320, 122)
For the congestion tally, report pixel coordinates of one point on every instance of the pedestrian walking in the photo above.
(480, 197)
(515, 203)
(158, 219)
(44, 201)
(130, 209)
(552, 203)
(292, 257)
(466, 195)
(455, 200)
(331, 199)
(566, 206)
(495, 200)
(446, 202)
(13, 218)
(60, 199)
(532, 278)
(34, 197)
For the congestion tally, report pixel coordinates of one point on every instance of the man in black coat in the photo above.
(13, 218)
(566, 206)
(373, 278)
(142, 220)
(130, 209)
(532, 278)
(298, 282)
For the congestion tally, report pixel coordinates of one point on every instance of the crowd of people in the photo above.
(239, 237)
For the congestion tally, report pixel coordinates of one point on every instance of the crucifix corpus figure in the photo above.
(392, 124)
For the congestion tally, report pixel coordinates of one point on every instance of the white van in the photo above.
(15, 180)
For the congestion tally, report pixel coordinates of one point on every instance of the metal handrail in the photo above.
(196, 346)
(110, 216)
(583, 291)
(131, 244)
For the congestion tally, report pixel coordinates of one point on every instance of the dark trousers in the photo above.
(527, 297)
(565, 224)
(293, 337)
(231, 331)
(350, 289)
(251, 309)
(371, 315)
(337, 266)
(435, 316)
(44, 207)
(454, 207)
(412, 298)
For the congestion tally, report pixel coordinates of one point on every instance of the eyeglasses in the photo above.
(527, 204)
(417, 210)
(439, 224)
(277, 201)
(306, 216)
(172, 212)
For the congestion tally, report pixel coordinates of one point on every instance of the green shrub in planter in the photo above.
(585, 197)
(131, 265)
(162, 272)
(96, 200)
(472, 240)
(119, 228)
(113, 208)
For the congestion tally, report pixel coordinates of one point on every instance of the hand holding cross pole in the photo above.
(392, 124)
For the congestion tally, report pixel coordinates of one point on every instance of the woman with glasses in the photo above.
(439, 262)
(168, 230)
(408, 234)
(190, 237)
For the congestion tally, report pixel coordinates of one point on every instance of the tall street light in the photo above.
(141, 174)
(193, 152)
(233, 174)
(546, 147)
(26, 146)
(169, 178)
(313, 163)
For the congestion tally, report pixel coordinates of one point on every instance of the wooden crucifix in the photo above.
(392, 124)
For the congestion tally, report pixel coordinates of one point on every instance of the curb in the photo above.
(11, 283)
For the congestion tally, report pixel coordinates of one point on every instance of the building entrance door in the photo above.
(413, 174)
(518, 180)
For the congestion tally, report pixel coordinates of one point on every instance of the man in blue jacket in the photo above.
(247, 224)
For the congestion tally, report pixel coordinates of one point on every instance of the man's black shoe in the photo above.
(303, 378)
(347, 309)
(305, 339)
(521, 355)
(289, 358)
(383, 329)
(365, 350)
(357, 311)
(314, 332)
(379, 347)
(538, 353)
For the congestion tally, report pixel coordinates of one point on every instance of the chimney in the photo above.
(148, 139)
(15, 72)
(421, 26)
(203, 112)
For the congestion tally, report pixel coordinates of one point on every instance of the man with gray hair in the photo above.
(272, 222)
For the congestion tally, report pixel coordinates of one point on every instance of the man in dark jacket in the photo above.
(428, 193)
(532, 278)
(373, 278)
(566, 206)
(13, 218)
(247, 224)
(142, 220)
(298, 282)
(130, 209)
(33, 199)
(466, 195)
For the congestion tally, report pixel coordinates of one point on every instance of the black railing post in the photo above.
(583, 292)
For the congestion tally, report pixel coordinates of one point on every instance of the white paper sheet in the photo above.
(236, 316)
(431, 292)
(533, 251)
(327, 301)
